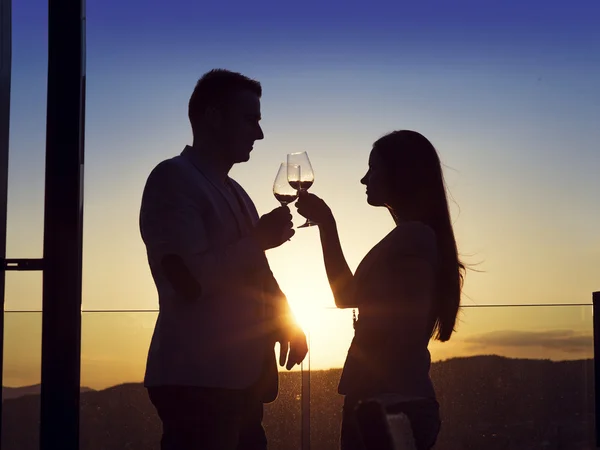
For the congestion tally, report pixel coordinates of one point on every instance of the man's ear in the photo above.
(213, 116)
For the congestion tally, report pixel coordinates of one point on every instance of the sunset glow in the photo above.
(507, 94)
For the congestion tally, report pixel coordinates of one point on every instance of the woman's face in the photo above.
(376, 181)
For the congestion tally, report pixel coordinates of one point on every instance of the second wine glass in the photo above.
(304, 179)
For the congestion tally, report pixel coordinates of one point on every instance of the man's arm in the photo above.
(276, 301)
(180, 277)
(173, 228)
(286, 330)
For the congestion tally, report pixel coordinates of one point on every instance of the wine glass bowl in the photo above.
(282, 189)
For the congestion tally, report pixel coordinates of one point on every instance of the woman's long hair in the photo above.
(419, 191)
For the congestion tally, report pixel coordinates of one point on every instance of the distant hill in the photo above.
(488, 402)
(16, 392)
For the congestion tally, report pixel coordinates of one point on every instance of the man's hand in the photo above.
(274, 228)
(292, 346)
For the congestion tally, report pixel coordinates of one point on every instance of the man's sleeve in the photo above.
(277, 298)
(171, 223)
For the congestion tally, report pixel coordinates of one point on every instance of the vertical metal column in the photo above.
(5, 73)
(305, 398)
(596, 321)
(63, 224)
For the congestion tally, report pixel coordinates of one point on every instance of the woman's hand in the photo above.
(313, 208)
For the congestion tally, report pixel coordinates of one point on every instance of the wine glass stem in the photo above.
(308, 222)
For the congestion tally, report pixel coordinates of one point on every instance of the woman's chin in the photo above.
(373, 202)
(376, 203)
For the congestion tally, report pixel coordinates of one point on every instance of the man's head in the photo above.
(224, 109)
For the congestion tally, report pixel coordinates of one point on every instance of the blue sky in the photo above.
(506, 91)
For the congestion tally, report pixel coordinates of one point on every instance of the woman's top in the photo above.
(394, 288)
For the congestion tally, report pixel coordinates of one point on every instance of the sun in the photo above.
(312, 307)
(328, 329)
(309, 317)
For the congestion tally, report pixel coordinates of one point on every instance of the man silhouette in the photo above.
(211, 363)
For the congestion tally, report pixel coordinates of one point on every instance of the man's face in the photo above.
(240, 126)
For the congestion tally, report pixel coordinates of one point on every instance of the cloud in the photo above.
(562, 340)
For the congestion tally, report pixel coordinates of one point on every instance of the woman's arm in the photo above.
(339, 274)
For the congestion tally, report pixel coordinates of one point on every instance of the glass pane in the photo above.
(511, 377)
(23, 291)
(330, 338)
(26, 172)
(517, 377)
(282, 420)
(115, 409)
(21, 376)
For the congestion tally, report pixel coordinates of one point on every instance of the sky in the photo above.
(506, 91)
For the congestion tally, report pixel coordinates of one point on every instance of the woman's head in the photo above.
(405, 175)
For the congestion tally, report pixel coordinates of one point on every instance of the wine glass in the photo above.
(302, 180)
(282, 190)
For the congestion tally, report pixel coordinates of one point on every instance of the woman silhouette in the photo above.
(407, 288)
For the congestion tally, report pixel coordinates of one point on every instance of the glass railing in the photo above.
(512, 377)
(21, 380)
(116, 412)
(518, 377)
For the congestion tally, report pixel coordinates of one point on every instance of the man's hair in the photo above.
(213, 90)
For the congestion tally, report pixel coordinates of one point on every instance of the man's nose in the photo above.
(260, 135)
